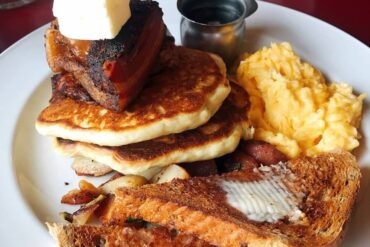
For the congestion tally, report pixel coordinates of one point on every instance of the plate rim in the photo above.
(6, 142)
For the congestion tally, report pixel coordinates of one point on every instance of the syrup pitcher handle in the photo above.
(251, 7)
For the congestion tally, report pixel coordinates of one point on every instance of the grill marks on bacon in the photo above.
(112, 71)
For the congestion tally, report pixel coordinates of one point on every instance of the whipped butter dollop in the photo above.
(91, 20)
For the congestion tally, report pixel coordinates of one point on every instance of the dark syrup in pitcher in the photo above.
(213, 12)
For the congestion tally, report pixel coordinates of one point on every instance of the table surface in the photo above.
(355, 19)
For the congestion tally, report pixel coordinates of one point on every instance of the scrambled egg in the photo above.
(294, 108)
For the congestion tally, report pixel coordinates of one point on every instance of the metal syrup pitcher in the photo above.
(216, 26)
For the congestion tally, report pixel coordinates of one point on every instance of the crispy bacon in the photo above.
(128, 73)
(112, 71)
(65, 85)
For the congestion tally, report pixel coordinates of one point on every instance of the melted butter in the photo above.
(80, 48)
(265, 200)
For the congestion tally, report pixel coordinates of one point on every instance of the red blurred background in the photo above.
(352, 17)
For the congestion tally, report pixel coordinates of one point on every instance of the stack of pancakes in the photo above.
(188, 112)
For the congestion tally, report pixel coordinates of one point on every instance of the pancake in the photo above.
(219, 136)
(186, 94)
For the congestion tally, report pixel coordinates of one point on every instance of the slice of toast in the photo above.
(91, 236)
(311, 202)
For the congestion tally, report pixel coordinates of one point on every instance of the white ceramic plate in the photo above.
(32, 176)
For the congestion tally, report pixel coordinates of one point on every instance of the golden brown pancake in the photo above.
(185, 95)
(219, 136)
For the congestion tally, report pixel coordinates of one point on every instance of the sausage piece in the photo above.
(237, 161)
(201, 168)
(263, 152)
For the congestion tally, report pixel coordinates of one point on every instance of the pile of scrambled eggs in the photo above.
(294, 108)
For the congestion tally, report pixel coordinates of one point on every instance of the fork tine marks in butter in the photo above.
(264, 200)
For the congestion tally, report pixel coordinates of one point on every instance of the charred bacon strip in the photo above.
(65, 85)
(112, 71)
(128, 73)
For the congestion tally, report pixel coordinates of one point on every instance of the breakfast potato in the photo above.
(169, 173)
(67, 217)
(85, 194)
(88, 167)
(150, 173)
(78, 197)
(86, 186)
(129, 181)
(83, 215)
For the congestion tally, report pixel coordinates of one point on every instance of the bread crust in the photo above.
(91, 236)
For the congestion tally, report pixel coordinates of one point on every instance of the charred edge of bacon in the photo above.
(113, 87)
(122, 46)
(65, 86)
(129, 73)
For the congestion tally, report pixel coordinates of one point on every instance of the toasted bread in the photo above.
(185, 95)
(322, 189)
(219, 136)
(91, 236)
